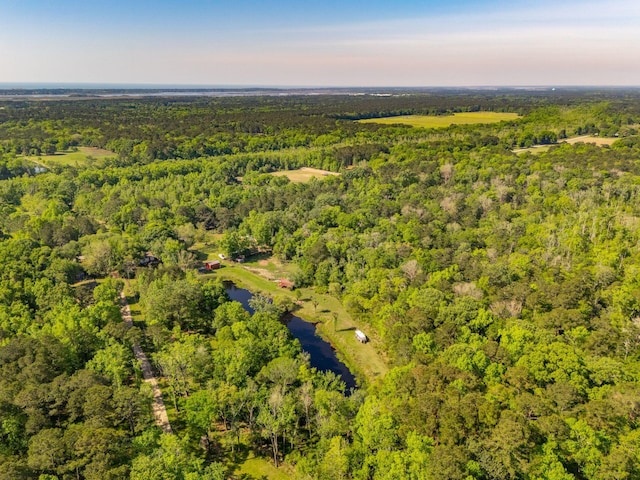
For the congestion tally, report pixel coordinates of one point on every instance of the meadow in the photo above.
(72, 158)
(428, 121)
(598, 141)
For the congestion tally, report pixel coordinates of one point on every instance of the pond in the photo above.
(321, 354)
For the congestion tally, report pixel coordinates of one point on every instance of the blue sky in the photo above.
(321, 43)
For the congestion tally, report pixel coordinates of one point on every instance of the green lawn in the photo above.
(70, 158)
(243, 277)
(207, 247)
(428, 121)
(258, 468)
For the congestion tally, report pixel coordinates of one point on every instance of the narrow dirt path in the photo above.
(159, 410)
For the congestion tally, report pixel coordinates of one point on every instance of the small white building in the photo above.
(361, 337)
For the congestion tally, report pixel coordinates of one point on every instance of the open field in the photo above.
(599, 141)
(269, 267)
(71, 158)
(534, 149)
(428, 121)
(303, 174)
(364, 360)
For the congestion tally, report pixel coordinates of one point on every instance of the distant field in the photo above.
(72, 158)
(428, 121)
(304, 174)
(599, 141)
(534, 149)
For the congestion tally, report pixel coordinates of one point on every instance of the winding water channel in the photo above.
(321, 355)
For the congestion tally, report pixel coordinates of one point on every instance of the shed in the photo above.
(284, 283)
(212, 265)
(361, 337)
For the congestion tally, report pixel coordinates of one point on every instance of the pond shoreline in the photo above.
(322, 354)
(365, 361)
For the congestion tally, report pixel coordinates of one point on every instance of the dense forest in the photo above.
(502, 288)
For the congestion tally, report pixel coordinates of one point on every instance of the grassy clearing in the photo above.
(365, 360)
(252, 281)
(598, 141)
(268, 267)
(70, 158)
(244, 463)
(428, 121)
(259, 468)
(303, 174)
(534, 149)
(208, 249)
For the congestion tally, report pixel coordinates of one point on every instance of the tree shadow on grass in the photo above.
(238, 457)
(255, 258)
(296, 307)
(235, 460)
(200, 255)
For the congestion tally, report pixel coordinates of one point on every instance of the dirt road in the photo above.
(159, 410)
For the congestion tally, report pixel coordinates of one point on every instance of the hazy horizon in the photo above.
(196, 86)
(267, 44)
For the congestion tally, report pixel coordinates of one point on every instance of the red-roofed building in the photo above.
(212, 265)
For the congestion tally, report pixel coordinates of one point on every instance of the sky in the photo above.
(321, 42)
